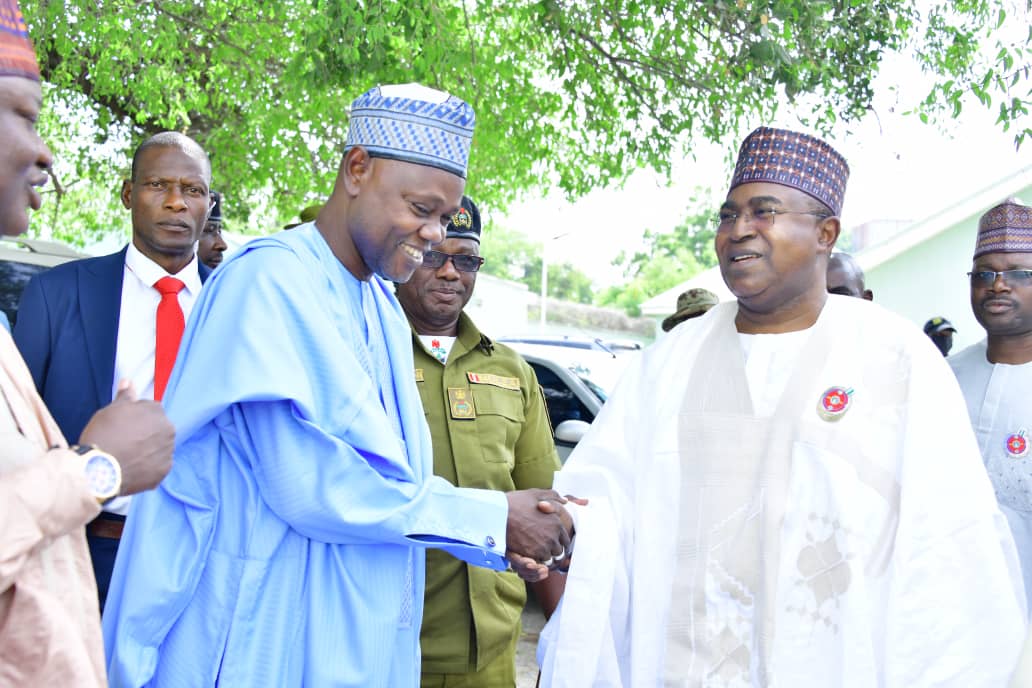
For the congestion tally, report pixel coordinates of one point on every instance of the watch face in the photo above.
(102, 475)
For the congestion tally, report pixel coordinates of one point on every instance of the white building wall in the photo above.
(931, 279)
(929, 276)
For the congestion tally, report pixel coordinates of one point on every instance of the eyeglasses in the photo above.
(987, 278)
(462, 261)
(763, 217)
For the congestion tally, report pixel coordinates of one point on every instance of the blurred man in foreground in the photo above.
(49, 618)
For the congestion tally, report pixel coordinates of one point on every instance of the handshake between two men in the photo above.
(539, 532)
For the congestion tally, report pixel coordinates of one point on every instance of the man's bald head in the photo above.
(845, 277)
(172, 139)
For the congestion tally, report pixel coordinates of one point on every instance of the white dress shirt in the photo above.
(438, 347)
(137, 327)
(769, 361)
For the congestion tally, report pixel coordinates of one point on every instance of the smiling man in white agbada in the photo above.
(785, 491)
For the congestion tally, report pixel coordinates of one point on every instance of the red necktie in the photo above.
(170, 330)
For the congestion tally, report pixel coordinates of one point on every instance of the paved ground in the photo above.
(526, 665)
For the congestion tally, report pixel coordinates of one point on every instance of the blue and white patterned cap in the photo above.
(413, 123)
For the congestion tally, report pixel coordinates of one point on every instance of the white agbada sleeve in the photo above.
(627, 478)
(956, 600)
(597, 593)
(998, 405)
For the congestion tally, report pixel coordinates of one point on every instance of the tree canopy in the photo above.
(514, 256)
(568, 94)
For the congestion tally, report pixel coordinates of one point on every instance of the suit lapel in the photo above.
(100, 300)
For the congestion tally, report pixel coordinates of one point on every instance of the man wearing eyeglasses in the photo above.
(996, 373)
(489, 428)
(785, 491)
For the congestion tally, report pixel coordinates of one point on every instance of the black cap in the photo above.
(937, 325)
(465, 223)
(216, 210)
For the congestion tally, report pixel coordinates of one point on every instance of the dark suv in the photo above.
(20, 259)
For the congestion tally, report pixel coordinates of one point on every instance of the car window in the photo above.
(598, 391)
(562, 403)
(13, 278)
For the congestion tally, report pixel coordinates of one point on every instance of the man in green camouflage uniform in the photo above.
(490, 429)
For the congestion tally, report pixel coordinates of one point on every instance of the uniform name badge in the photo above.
(834, 403)
(461, 403)
(1017, 445)
(511, 383)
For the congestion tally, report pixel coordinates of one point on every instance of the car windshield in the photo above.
(595, 370)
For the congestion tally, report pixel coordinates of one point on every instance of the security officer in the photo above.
(490, 430)
(211, 245)
(941, 332)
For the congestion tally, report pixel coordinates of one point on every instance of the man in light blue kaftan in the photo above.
(286, 547)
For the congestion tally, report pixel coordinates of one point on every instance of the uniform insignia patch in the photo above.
(419, 374)
(512, 383)
(438, 351)
(462, 219)
(834, 403)
(1017, 445)
(461, 403)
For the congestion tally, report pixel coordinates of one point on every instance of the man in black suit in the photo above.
(86, 325)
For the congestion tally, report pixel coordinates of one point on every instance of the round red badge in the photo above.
(834, 403)
(1017, 445)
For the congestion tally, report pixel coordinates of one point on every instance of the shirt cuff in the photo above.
(470, 525)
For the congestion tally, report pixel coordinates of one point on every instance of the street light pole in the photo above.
(544, 276)
(544, 284)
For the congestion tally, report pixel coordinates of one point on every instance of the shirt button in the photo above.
(490, 541)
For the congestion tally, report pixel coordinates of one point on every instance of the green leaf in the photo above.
(568, 95)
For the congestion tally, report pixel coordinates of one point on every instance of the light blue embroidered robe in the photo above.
(285, 548)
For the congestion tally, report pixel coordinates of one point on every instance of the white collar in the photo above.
(149, 272)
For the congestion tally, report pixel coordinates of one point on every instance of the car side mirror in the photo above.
(571, 431)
